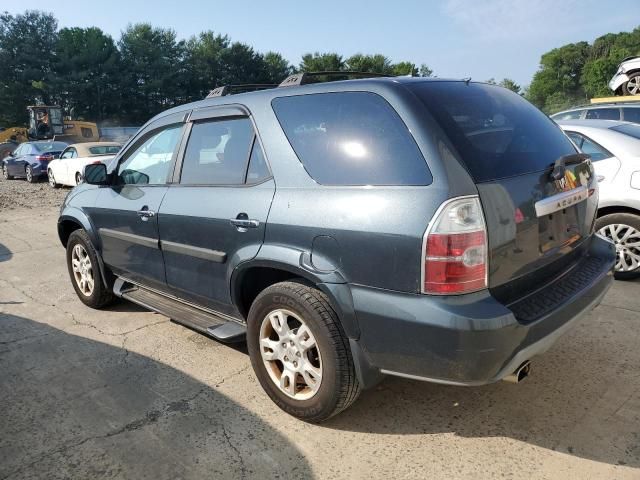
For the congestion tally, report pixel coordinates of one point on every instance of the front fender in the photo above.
(76, 215)
(618, 80)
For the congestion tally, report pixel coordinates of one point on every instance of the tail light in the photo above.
(454, 249)
(95, 162)
(44, 158)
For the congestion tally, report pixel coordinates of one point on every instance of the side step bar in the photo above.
(221, 328)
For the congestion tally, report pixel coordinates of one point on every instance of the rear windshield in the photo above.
(351, 138)
(49, 146)
(496, 132)
(104, 150)
(628, 129)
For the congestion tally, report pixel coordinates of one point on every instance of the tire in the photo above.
(5, 173)
(617, 226)
(52, 180)
(632, 86)
(100, 295)
(302, 306)
(29, 173)
(78, 178)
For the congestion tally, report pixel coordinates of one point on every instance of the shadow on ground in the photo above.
(76, 408)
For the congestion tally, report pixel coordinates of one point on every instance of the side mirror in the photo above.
(95, 174)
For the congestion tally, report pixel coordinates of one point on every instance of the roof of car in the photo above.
(591, 123)
(83, 148)
(598, 105)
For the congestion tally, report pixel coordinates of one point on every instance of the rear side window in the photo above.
(351, 138)
(496, 132)
(604, 113)
(217, 153)
(567, 115)
(631, 115)
(627, 129)
(104, 150)
(595, 151)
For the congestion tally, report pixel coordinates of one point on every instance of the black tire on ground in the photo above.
(52, 180)
(630, 220)
(625, 88)
(29, 173)
(339, 386)
(5, 173)
(102, 295)
(78, 178)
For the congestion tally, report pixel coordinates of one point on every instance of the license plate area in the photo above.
(559, 229)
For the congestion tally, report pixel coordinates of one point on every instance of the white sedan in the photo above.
(67, 170)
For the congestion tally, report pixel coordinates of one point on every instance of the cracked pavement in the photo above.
(125, 393)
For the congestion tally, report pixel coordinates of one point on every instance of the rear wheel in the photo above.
(52, 180)
(78, 178)
(623, 229)
(29, 174)
(84, 270)
(632, 86)
(299, 352)
(5, 173)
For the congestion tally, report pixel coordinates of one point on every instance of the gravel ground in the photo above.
(20, 194)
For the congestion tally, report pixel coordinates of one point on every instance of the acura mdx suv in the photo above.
(423, 228)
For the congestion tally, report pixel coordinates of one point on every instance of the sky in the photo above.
(480, 39)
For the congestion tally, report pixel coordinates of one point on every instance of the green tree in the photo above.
(511, 85)
(84, 73)
(27, 44)
(277, 67)
(152, 77)
(369, 63)
(203, 63)
(322, 62)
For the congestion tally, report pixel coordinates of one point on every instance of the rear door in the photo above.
(538, 225)
(216, 211)
(126, 212)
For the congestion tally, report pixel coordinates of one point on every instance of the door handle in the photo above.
(145, 214)
(242, 222)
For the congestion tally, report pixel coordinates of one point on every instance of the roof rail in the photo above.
(303, 78)
(245, 87)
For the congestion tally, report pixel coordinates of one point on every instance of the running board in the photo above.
(204, 321)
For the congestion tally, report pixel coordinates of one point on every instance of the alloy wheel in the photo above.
(627, 242)
(5, 172)
(633, 85)
(29, 175)
(82, 270)
(290, 354)
(78, 179)
(52, 181)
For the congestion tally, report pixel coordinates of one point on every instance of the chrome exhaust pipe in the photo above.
(519, 374)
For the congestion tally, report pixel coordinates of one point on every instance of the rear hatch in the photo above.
(538, 195)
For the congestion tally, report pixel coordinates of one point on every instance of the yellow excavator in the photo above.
(45, 123)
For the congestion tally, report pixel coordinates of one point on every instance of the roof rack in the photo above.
(304, 78)
(245, 87)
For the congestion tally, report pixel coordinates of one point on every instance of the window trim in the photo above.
(223, 112)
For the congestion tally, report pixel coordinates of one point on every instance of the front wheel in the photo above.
(52, 180)
(5, 173)
(84, 270)
(78, 178)
(29, 174)
(300, 353)
(632, 86)
(623, 229)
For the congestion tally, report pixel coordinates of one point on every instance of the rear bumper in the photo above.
(473, 339)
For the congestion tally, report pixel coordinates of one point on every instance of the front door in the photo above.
(217, 212)
(16, 164)
(125, 213)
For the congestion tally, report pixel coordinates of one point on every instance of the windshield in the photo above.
(49, 146)
(497, 133)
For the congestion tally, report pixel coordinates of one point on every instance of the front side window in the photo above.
(604, 114)
(217, 152)
(151, 159)
(588, 146)
(69, 153)
(351, 138)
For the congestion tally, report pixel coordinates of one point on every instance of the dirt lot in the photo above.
(21, 194)
(124, 393)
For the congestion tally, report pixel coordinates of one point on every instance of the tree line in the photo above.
(576, 72)
(146, 71)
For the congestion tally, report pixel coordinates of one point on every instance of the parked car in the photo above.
(614, 148)
(628, 112)
(30, 160)
(626, 80)
(350, 230)
(67, 170)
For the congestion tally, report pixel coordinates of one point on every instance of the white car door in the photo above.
(61, 169)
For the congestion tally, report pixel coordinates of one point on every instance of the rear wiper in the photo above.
(560, 164)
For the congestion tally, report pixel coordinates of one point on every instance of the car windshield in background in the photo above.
(628, 129)
(105, 150)
(49, 146)
(497, 133)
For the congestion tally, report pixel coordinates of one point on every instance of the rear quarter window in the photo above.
(351, 138)
(496, 132)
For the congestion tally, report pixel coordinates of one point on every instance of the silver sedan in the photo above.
(615, 152)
